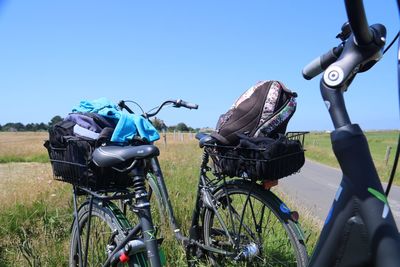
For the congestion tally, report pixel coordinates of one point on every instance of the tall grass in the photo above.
(36, 233)
(35, 221)
(28, 147)
(35, 216)
(24, 182)
(23, 147)
(36, 212)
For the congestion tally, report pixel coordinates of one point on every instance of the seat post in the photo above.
(142, 208)
(139, 187)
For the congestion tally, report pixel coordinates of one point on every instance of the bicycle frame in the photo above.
(159, 184)
(206, 189)
(193, 239)
(359, 229)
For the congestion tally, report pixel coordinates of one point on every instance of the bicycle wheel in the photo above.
(107, 229)
(254, 226)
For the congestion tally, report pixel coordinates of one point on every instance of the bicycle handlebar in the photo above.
(361, 48)
(358, 22)
(175, 103)
(180, 103)
(321, 63)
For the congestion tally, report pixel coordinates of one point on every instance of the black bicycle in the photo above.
(235, 221)
(360, 229)
(239, 220)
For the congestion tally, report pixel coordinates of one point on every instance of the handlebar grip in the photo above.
(187, 104)
(358, 22)
(321, 63)
(122, 105)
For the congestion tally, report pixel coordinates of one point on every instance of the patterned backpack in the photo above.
(263, 110)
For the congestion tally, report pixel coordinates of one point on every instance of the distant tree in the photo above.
(6, 127)
(171, 128)
(158, 124)
(17, 126)
(31, 127)
(54, 120)
(42, 127)
(13, 127)
(182, 127)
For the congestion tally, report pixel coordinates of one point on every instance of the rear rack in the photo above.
(282, 157)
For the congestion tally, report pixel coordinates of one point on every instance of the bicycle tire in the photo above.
(158, 207)
(279, 241)
(108, 228)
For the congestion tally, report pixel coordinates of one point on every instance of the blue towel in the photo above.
(127, 125)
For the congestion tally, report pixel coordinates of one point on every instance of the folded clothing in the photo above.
(127, 126)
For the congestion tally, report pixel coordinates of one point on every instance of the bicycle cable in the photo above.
(136, 103)
(391, 43)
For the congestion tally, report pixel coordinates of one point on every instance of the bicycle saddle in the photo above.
(107, 156)
(205, 139)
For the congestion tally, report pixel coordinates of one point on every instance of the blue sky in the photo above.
(55, 53)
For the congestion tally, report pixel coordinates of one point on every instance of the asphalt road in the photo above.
(315, 187)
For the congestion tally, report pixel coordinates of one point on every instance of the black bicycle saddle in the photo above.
(205, 139)
(107, 156)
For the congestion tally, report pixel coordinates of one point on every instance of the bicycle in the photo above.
(223, 225)
(359, 230)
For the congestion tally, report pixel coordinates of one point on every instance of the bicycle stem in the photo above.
(334, 101)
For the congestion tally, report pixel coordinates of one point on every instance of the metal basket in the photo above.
(72, 164)
(260, 163)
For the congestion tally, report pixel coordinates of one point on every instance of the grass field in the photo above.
(319, 149)
(28, 147)
(36, 211)
(23, 147)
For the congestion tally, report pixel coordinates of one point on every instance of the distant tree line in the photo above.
(33, 127)
(180, 127)
(30, 127)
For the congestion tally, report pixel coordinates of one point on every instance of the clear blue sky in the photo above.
(55, 53)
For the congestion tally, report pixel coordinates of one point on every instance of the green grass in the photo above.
(319, 149)
(36, 232)
(40, 158)
(28, 147)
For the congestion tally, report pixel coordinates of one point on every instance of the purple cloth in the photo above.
(84, 121)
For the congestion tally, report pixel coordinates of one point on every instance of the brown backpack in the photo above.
(263, 110)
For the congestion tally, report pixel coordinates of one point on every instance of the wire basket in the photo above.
(72, 164)
(280, 158)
